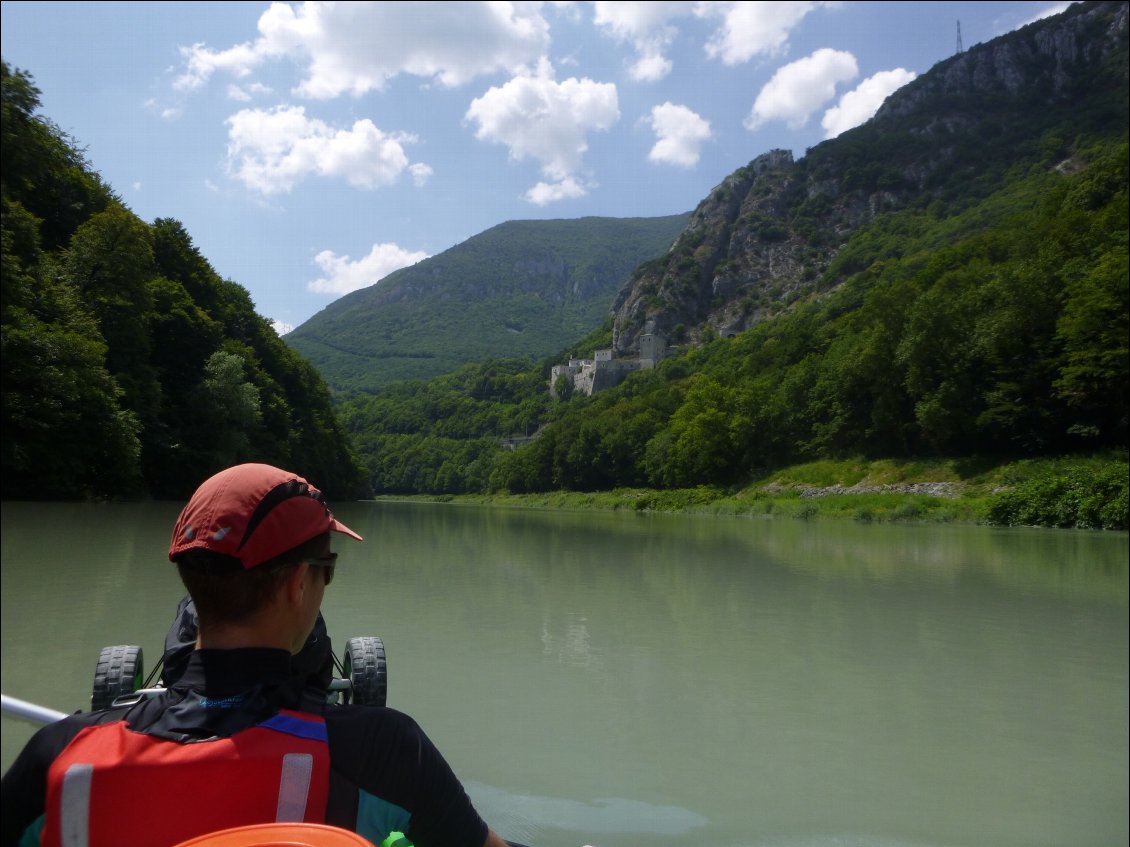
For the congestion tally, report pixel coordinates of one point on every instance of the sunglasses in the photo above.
(328, 563)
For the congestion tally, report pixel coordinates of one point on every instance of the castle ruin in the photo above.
(604, 370)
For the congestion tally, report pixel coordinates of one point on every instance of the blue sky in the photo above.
(312, 148)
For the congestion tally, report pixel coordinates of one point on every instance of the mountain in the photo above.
(523, 289)
(950, 279)
(770, 233)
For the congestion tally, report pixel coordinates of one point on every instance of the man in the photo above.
(314, 663)
(232, 742)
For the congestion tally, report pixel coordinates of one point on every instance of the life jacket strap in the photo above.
(74, 812)
(294, 787)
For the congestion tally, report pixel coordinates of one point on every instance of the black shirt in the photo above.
(385, 774)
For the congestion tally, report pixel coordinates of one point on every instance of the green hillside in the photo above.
(989, 322)
(521, 289)
(130, 368)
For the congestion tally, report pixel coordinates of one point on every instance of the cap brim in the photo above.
(338, 526)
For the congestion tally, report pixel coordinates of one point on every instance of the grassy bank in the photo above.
(1070, 492)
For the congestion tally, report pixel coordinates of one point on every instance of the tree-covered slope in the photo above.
(1001, 332)
(985, 313)
(129, 366)
(521, 289)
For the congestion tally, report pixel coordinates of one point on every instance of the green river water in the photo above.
(625, 679)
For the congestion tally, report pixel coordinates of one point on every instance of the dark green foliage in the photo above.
(42, 167)
(1085, 495)
(65, 432)
(443, 436)
(109, 262)
(129, 366)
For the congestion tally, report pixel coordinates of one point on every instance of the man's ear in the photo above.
(295, 584)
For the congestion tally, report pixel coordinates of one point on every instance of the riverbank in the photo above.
(1079, 492)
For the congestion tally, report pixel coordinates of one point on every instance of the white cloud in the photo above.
(859, 104)
(751, 29)
(137, 186)
(201, 63)
(650, 67)
(270, 150)
(281, 328)
(645, 25)
(747, 29)
(244, 94)
(342, 275)
(629, 20)
(681, 134)
(166, 113)
(1046, 13)
(421, 173)
(537, 117)
(357, 47)
(545, 193)
(800, 88)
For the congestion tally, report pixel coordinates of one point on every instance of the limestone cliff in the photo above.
(768, 234)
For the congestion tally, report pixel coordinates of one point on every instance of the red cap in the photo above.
(253, 513)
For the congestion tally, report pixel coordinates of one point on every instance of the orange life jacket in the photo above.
(113, 786)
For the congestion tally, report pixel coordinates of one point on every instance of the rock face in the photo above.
(1050, 55)
(768, 234)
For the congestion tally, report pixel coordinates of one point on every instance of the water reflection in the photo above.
(575, 647)
(529, 818)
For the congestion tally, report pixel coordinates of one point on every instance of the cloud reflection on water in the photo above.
(522, 816)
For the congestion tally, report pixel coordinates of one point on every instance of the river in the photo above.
(631, 679)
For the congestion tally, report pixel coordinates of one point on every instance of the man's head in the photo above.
(253, 513)
(242, 536)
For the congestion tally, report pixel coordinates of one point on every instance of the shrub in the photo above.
(806, 511)
(907, 512)
(1081, 497)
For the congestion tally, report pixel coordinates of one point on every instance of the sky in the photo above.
(310, 149)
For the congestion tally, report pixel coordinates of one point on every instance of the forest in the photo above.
(130, 368)
(1000, 332)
